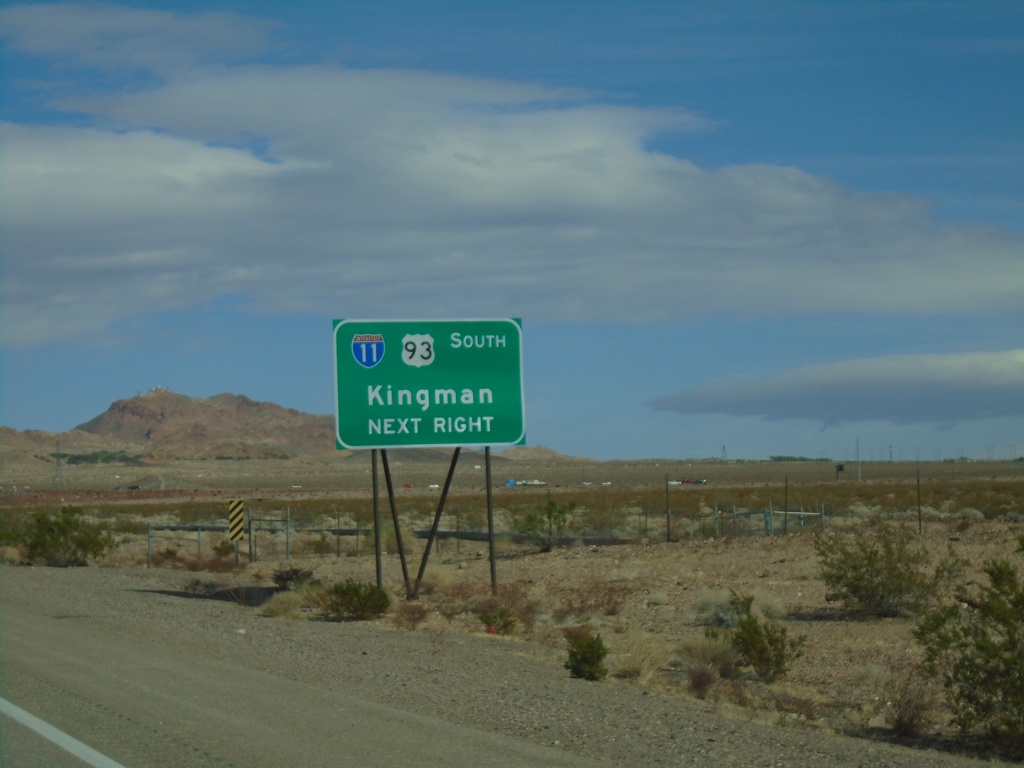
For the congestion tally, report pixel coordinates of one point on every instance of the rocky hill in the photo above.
(166, 425)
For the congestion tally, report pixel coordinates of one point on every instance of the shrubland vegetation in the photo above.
(740, 649)
(975, 647)
(884, 571)
(99, 457)
(764, 646)
(62, 539)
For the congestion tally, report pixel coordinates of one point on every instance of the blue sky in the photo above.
(764, 228)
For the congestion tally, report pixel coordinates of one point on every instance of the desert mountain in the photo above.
(166, 425)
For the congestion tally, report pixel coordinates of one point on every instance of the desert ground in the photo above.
(685, 548)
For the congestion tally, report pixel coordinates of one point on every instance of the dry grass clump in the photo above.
(454, 598)
(520, 602)
(313, 594)
(409, 615)
(595, 598)
(436, 579)
(286, 605)
(912, 703)
(639, 656)
(705, 662)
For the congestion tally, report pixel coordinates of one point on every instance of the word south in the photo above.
(384, 395)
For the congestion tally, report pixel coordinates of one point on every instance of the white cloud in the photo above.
(113, 37)
(901, 389)
(376, 192)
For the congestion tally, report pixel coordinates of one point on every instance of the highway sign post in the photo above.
(428, 383)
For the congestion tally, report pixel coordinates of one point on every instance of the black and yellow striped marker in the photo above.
(236, 519)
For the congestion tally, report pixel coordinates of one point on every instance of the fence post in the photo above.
(288, 532)
(821, 512)
(668, 513)
(199, 543)
(149, 546)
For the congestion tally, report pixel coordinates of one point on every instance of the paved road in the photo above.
(143, 703)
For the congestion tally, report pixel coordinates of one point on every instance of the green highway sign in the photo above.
(428, 383)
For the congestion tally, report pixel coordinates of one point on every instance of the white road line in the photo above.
(58, 737)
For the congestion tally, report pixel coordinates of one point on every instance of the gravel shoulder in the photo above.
(493, 684)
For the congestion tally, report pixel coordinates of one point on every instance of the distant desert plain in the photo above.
(649, 555)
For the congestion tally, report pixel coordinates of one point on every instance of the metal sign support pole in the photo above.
(490, 519)
(437, 520)
(376, 521)
(394, 517)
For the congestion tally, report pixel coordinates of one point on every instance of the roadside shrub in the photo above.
(711, 655)
(409, 615)
(911, 702)
(224, 548)
(546, 526)
(63, 540)
(587, 652)
(288, 576)
(496, 616)
(521, 605)
(882, 571)
(702, 679)
(975, 647)
(313, 594)
(638, 656)
(355, 601)
(322, 545)
(764, 646)
(202, 587)
(284, 605)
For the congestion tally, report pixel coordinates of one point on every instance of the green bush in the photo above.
(976, 648)
(883, 572)
(545, 527)
(224, 548)
(587, 652)
(764, 646)
(497, 618)
(355, 601)
(63, 540)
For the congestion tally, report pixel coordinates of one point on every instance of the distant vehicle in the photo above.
(695, 481)
(512, 482)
